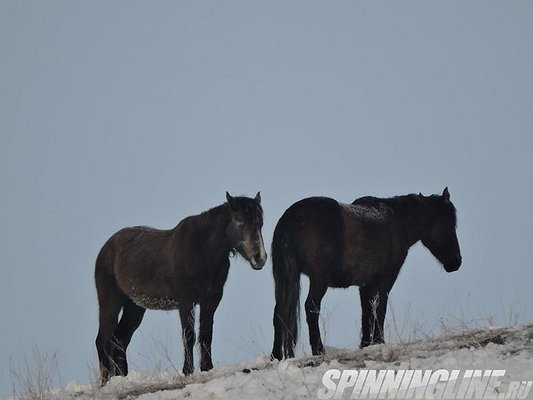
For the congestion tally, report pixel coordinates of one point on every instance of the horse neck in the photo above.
(212, 225)
(413, 215)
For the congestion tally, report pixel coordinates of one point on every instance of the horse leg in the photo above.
(132, 316)
(110, 306)
(365, 293)
(207, 311)
(317, 290)
(189, 336)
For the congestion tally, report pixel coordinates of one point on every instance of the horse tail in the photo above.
(287, 291)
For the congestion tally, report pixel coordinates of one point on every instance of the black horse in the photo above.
(340, 245)
(140, 268)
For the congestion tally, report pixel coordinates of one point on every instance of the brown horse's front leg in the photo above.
(188, 335)
(207, 312)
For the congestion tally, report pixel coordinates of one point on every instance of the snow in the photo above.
(377, 213)
(510, 349)
(154, 303)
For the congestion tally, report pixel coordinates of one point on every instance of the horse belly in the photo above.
(155, 294)
(143, 271)
(339, 278)
(358, 274)
(155, 302)
(149, 291)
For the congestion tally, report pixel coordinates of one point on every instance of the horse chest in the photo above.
(211, 283)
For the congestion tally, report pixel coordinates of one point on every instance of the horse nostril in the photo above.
(454, 264)
(259, 259)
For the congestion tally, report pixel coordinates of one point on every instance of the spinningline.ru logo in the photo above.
(421, 384)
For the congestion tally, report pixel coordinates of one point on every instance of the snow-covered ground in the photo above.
(509, 349)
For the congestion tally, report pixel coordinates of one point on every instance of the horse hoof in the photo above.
(206, 367)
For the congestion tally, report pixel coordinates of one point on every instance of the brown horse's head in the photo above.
(244, 229)
(440, 237)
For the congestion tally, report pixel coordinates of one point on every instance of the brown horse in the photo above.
(140, 268)
(340, 245)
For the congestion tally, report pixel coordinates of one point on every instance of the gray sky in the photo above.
(124, 113)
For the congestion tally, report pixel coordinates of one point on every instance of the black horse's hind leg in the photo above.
(207, 311)
(374, 308)
(277, 347)
(188, 335)
(312, 310)
(110, 306)
(132, 316)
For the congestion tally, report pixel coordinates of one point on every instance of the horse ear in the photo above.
(420, 194)
(258, 197)
(231, 203)
(446, 195)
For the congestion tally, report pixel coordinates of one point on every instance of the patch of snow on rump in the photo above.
(379, 213)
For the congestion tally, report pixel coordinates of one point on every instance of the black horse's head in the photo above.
(440, 237)
(244, 229)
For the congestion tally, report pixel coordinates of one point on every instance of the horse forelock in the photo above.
(249, 207)
(442, 209)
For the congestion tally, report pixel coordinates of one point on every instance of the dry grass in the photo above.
(35, 377)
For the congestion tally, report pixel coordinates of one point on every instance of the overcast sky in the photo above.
(126, 113)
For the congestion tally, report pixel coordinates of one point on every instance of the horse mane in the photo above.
(248, 205)
(409, 203)
(243, 203)
(216, 212)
